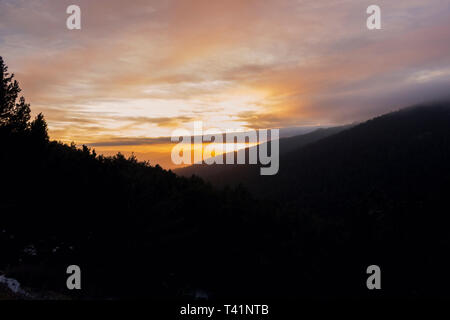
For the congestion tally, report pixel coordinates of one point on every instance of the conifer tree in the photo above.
(14, 114)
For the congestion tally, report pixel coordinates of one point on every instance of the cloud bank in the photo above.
(138, 69)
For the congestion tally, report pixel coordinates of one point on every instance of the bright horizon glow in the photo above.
(160, 153)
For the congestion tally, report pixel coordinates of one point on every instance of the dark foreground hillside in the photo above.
(373, 194)
(134, 229)
(386, 184)
(376, 193)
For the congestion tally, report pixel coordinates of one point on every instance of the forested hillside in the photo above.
(134, 229)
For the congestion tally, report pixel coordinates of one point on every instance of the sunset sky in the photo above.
(139, 69)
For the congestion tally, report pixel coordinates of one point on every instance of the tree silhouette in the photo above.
(38, 128)
(13, 114)
(14, 111)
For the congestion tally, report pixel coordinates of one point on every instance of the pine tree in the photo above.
(38, 128)
(13, 115)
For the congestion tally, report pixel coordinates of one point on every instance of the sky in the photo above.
(137, 70)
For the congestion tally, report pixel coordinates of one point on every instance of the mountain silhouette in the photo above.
(234, 174)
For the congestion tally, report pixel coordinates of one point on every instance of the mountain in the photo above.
(397, 154)
(376, 193)
(234, 174)
(385, 184)
(344, 199)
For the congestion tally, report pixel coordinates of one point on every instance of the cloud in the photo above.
(143, 68)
